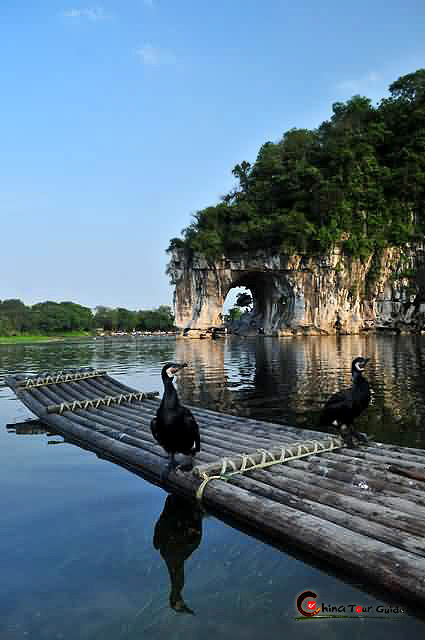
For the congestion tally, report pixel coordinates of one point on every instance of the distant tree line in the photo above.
(62, 317)
(357, 180)
(121, 319)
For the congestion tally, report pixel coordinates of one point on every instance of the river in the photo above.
(77, 533)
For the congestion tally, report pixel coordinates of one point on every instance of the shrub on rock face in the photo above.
(233, 316)
(243, 300)
(358, 179)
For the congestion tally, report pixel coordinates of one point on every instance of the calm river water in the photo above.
(77, 534)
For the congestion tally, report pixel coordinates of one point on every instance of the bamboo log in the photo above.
(332, 513)
(304, 490)
(67, 394)
(64, 376)
(395, 569)
(409, 473)
(410, 506)
(329, 473)
(384, 508)
(313, 462)
(97, 425)
(356, 523)
(360, 524)
(372, 454)
(267, 457)
(270, 429)
(331, 488)
(95, 402)
(325, 484)
(106, 425)
(381, 482)
(197, 413)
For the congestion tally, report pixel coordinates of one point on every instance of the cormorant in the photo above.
(174, 427)
(178, 534)
(345, 406)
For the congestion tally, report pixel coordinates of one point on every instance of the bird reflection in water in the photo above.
(178, 534)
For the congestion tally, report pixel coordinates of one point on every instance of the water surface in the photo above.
(84, 547)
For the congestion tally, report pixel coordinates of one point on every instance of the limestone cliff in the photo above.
(301, 294)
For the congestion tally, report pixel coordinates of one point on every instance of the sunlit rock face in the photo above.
(304, 294)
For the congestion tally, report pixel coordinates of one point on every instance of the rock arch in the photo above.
(273, 297)
(293, 294)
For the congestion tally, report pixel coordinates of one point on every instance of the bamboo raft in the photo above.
(361, 510)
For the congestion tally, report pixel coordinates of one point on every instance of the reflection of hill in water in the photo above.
(288, 381)
(207, 380)
(280, 380)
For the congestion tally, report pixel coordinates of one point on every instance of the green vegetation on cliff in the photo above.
(359, 179)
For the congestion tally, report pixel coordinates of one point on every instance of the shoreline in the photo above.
(42, 338)
(30, 338)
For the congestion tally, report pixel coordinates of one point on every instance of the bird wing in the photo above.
(192, 427)
(340, 399)
(154, 428)
(338, 407)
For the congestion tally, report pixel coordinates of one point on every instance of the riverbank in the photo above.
(28, 337)
(24, 338)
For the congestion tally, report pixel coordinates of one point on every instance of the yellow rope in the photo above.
(94, 403)
(268, 458)
(56, 378)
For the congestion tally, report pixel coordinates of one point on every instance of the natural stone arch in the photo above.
(273, 298)
(299, 294)
(202, 287)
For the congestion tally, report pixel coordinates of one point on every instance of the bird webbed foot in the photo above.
(347, 435)
(188, 464)
(353, 438)
(349, 442)
(181, 607)
(361, 437)
(171, 466)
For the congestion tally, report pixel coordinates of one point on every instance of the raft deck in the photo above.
(361, 510)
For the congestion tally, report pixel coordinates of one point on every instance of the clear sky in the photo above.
(121, 119)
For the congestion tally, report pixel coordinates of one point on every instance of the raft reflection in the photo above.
(177, 535)
(29, 428)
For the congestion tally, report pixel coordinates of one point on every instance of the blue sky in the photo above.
(121, 119)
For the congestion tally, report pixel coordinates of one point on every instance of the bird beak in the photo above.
(178, 367)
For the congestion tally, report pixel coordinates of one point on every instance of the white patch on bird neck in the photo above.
(358, 367)
(169, 372)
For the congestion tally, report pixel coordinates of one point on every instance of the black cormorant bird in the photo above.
(178, 534)
(174, 427)
(345, 406)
